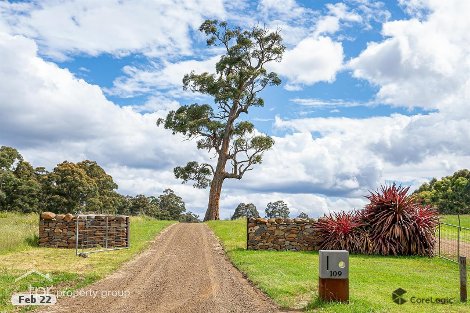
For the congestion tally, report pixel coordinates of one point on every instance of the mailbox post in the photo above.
(334, 275)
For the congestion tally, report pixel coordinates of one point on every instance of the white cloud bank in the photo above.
(154, 28)
(51, 116)
(422, 63)
(310, 61)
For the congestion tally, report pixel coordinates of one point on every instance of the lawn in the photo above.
(291, 278)
(20, 254)
(453, 219)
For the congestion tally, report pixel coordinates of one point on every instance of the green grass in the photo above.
(453, 219)
(291, 278)
(18, 231)
(67, 270)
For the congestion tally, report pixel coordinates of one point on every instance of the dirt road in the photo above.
(184, 270)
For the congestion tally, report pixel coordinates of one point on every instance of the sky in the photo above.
(373, 92)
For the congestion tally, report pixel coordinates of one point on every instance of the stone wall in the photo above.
(280, 234)
(59, 230)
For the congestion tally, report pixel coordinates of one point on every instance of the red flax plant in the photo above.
(341, 231)
(397, 224)
(426, 221)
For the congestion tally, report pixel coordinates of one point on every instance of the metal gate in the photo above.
(453, 241)
(97, 233)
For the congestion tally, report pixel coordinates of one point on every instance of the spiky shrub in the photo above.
(341, 231)
(426, 220)
(397, 224)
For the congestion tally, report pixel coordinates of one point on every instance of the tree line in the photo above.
(450, 194)
(76, 187)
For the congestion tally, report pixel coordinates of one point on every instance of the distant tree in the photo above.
(450, 194)
(20, 189)
(9, 158)
(123, 204)
(189, 217)
(70, 189)
(142, 205)
(171, 205)
(302, 215)
(245, 210)
(107, 198)
(240, 75)
(277, 209)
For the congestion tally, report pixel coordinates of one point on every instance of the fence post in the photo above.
(247, 237)
(439, 243)
(76, 234)
(106, 236)
(128, 231)
(463, 278)
(458, 241)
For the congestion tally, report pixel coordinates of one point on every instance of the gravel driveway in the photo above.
(184, 270)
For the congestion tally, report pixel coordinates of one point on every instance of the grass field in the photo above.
(453, 219)
(19, 231)
(20, 254)
(291, 278)
(451, 232)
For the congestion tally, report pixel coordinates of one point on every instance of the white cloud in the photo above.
(421, 63)
(281, 9)
(154, 28)
(311, 61)
(47, 109)
(331, 23)
(159, 76)
(333, 103)
(353, 155)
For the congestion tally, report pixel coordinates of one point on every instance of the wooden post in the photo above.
(247, 237)
(106, 236)
(128, 221)
(463, 278)
(76, 233)
(333, 289)
(439, 244)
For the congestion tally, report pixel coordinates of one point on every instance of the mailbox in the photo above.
(334, 264)
(333, 282)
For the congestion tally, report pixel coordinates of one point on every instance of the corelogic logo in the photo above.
(397, 296)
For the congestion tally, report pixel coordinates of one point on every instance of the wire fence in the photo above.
(453, 241)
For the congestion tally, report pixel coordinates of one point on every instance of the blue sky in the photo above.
(372, 92)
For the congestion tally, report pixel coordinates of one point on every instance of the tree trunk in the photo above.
(212, 212)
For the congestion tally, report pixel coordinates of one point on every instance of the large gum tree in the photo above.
(222, 129)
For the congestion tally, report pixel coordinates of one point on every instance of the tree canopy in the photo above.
(450, 194)
(277, 209)
(245, 210)
(73, 187)
(240, 75)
